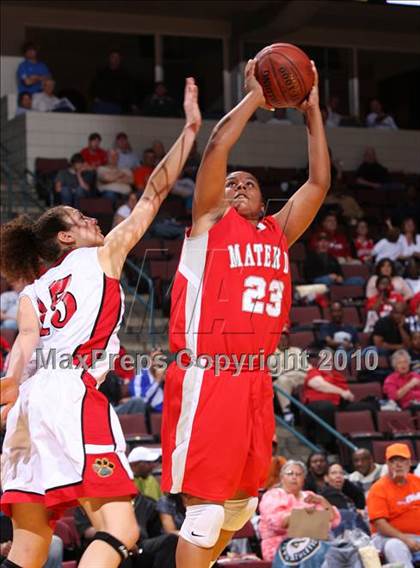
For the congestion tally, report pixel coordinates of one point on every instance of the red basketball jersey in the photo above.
(232, 289)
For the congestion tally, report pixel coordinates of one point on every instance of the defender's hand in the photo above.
(191, 108)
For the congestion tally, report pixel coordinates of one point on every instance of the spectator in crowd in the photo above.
(409, 240)
(143, 461)
(317, 465)
(408, 205)
(113, 181)
(172, 510)
(371, 173)
(386, 267)
(337, 335)
(362, 243)
(24, 103)
(411, 276)
(9, 304)
(380, 305)
(71, 184)
(184, 187)
(127, 159)
(93, 154)
(289, 374)
(378, 118)
(394, 508)
(321, 267)
(143, 172)
(413, 320)
(341, 203)
(391, 333)
(324, 392)
(338, 489)
(366, 471)
(403, 385)
(159, 103)
(415, 352)
(347, 497)
(159, 150)
(113, 88)
(339, 246)
(277, 504)
(389, 246)
(45, 101)
(124, 210)
(334, 117)
(5, 348)
(31, 72)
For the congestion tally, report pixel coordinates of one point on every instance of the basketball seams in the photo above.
(297, 73)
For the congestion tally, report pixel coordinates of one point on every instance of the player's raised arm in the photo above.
(209, 195)
(299, 212)
(124, 236)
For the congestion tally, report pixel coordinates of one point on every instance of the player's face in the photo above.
(244, 194)
(84, 230)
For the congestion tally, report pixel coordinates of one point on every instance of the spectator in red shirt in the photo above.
(403, 385)
(362, 243)
(5, 347)
(93, 154)
(323, 393)
(339, 246)
(143, 172)
(380, 305)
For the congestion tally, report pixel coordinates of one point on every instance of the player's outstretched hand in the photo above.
(312, 102)
(9, 390)
(252, 84)
(191, 108)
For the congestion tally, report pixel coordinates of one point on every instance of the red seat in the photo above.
(350, 270)
(69, 564)
(304, 315)
(247, 531)
(134, 427)
(156, 423)
(396, 423)
(9, 335)
(364, 339)
(302, 339)
(94, 206)
(50, 165)
(346, 293)
(379, 448)
(67, 531)
(172, 248)
(357, 424)
(363, 390)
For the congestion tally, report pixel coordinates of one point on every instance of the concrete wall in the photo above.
(13, 137)
(8, 68)
(60, 135)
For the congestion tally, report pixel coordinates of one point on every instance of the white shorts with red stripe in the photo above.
(63, 442)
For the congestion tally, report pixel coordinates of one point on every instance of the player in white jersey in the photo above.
(64, 444)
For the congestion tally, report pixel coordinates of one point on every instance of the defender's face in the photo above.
(244, 194)
(84, 230)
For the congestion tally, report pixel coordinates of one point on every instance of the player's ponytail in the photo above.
(25, 244)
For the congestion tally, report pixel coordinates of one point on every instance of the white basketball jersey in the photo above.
(79, 310)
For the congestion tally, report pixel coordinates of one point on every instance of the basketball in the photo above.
(285, 74)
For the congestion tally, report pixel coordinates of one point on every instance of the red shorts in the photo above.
(217, 432)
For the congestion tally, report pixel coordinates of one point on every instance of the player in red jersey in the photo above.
(64, 444)
(230, 300)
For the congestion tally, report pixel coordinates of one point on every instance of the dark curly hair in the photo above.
(26, 244)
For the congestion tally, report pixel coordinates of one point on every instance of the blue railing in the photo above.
(149, 305)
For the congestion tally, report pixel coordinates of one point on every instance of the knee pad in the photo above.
(202, 524)
(238, 512)
(116, 544)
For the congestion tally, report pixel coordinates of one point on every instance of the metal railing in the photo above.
(149, 305)
(314, 417)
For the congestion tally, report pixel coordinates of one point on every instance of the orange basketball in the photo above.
(285, 74)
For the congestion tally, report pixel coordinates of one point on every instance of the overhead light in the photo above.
(404, 2)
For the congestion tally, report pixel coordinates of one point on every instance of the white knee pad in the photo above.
(238, 512)
(202, 524)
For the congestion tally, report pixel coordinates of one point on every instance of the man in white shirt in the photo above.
(377, 118)
(113, 180)
(388, 247)
(45, 101)
(366, 471)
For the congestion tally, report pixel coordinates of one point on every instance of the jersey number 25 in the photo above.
(61, 299)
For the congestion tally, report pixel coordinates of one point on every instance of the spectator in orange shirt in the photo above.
(143, 172)
(93, 154)
(394, 509)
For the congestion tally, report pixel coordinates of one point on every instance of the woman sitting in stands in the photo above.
(386, 267)
(278, 502)
(403, 385)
